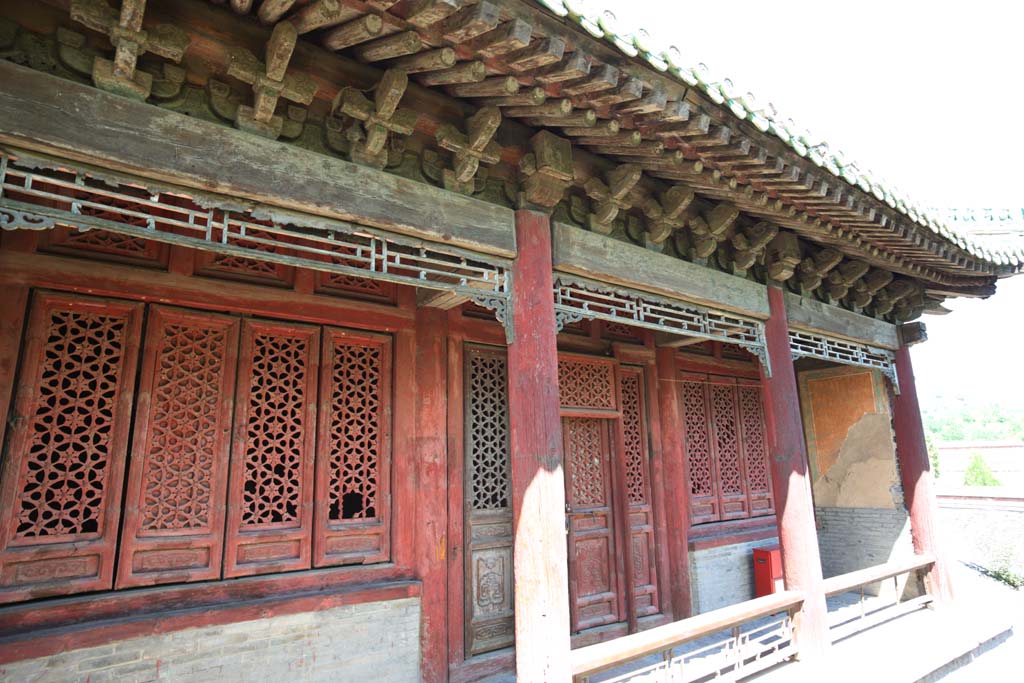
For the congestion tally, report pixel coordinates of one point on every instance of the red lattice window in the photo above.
(352, 285)
(586, 383)
(243, 268)
(103, 244)
(270, 501)
(726, 448)
(174, 512)
(62, 482)
(352, 464)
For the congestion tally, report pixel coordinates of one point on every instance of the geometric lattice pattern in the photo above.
(633, 438)
(585, 384)
(806, 344)
(754, 446)
(274, 431)
(583, 445)
(487, 429)
(184, 421)
(102, 242)
(63, 478)
(698, 446)
(355, 431)
(723, 413)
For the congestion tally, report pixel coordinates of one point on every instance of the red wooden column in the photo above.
(912, 454)
(798, 536)
(538, 479)
(431, 498)
(677, 504)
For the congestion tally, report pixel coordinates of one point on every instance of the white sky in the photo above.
(890, 83)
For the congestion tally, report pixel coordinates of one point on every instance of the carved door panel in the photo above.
(732, 490)
(60, 490)
(703, 473)
(595, 588)
(177, 484)
(270, 494)
(755, 447)
(488, 505)
(638, 493)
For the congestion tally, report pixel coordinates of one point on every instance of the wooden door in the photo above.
(595, 585)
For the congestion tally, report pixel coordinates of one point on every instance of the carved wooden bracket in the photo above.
(611, 197)
(888, 297)
(866, 287)
(840, 279)
(471, 148)
(378, 118)
(674, 203)
(269, 82)
(813, 269)
(782, 256)
(545, 171)
(750, 243)
(130, 42)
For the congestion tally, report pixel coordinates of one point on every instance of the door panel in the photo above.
(594, 585)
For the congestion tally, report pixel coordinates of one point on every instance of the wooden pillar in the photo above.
(912, 453)
(677, 503)
(431, 472)
(538, 477)
(798, 536)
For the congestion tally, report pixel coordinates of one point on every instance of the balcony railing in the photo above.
(768, 640)
(877, 610)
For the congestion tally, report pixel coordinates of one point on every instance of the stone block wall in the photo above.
(374, 641)
(723, 575)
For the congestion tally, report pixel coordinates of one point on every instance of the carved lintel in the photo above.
(782, 256)
(611, 196)
(130, 42)
(376, 120)
(546, 171)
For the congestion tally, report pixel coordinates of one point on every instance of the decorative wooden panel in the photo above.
(177, 485)
(638, 491)
(697, 439)
(64, 466)
(101, 244)
(732, 484)
(351, 285)
(353, 460)
(595, 589)
(488, 510)
(755, 448)
(249, 269)
(270, 500)
(586, 383)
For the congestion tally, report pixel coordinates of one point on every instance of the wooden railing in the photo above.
(878, 612)
(740, 654)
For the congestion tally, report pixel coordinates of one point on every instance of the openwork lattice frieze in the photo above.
(487, 429)
(808, 345)
(41, 195)
(578, 299)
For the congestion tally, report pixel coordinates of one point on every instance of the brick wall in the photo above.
(857, 538)
(375, 641)
(723, 576)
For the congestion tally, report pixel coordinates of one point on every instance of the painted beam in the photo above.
(589, 254)
(538, 477)
(816, 316)
(46, 114)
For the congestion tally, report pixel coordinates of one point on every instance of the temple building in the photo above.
(439, 340)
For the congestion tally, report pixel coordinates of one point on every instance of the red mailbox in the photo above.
(767, 571)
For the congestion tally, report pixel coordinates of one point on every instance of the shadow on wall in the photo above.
(859, 508)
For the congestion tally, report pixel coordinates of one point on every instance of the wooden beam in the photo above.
(665, 340)
(815, 316)
(538, 477)
(47, 114)
(591, 255)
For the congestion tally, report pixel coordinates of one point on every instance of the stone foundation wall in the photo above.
(724, 575)
(375, 641)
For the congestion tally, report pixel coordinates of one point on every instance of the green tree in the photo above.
(978, 472)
